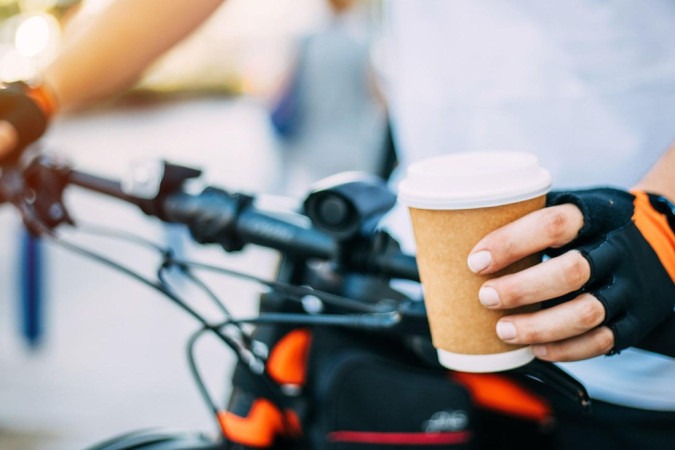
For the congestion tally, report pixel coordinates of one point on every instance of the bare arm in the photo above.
(661, 178)
(113, 50)
(110, 52)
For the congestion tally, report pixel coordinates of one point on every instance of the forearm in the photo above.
(114, 49)
(661, 178)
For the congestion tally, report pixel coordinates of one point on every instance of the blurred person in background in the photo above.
(588, 86)
(329, 115)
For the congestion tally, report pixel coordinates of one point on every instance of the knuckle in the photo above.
(555, 225)
(590, 314)
(529, 335)
(576, 270)
(502, 244)
(605, 338)
(508, 292)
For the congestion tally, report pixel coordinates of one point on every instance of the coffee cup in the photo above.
(454, 201)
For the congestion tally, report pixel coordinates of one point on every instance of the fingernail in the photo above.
(506, 331)
(539, 351)
(479, 261)
(488, 296)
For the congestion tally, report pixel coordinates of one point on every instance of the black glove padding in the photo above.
(30, 122)
(629, 243)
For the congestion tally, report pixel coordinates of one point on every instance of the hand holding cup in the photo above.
(454, 201)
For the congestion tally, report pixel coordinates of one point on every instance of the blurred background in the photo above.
(267, 97)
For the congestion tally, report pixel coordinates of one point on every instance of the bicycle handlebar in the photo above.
(232, 220)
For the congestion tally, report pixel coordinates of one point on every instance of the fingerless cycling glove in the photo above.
(28, 109)
(629, 242)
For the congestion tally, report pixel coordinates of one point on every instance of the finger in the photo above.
(564, 321)
(615, 298)
(550, 279)
(603, 258)
(9, 138)
(548, 227)
(596, 342)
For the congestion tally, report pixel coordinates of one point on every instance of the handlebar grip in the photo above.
(186, 208)
(292, 239)
(210, 216)
(232, 221)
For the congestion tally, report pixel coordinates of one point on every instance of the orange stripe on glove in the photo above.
(656, 230)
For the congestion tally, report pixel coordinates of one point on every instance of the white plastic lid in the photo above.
(473, 180)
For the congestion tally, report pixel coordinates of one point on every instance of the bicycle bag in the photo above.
(367, 394)
(349, 391)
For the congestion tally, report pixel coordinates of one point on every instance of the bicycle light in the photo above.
(348, 204)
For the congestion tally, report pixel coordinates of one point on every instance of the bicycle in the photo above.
(331, 332)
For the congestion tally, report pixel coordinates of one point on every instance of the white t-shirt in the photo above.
(587, 85)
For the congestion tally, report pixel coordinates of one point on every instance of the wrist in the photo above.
(26, 117)
(41, 94)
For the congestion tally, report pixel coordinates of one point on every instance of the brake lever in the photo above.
(37, 192)
(46, 179)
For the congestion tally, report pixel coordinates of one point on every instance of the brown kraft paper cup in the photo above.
(463, 331)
